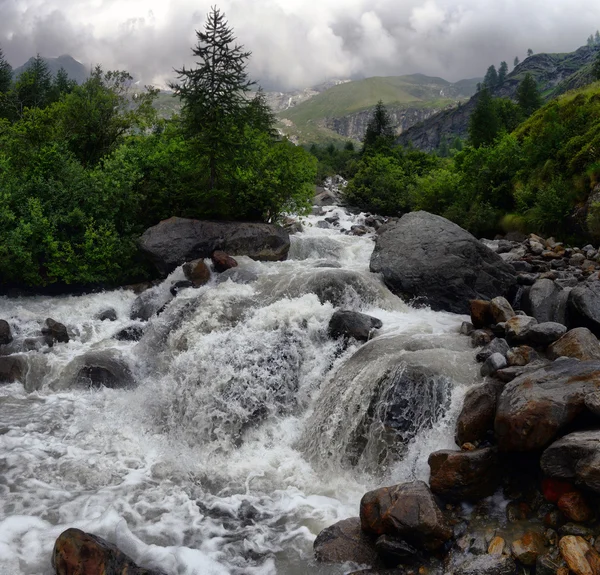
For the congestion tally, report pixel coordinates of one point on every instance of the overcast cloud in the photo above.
(299, 43)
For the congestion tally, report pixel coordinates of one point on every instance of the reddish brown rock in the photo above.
(579, 343)
(481, 313)
(223, 261)
(501, 310)
(575, 507)
(579, 555)
(407, 511)
(197, 272)
(476, 418)
(520, 356)
(79, 553)
(527, 549)
(345, 541)
(554, 489)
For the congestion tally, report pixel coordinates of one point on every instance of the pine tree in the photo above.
(491, 77)
(528, 95)
(590, 41)
(214, 93)
(516, 61)
(484, 123)
(502, 71)
(379, 133)
(62, 84)
(597, 38)
(33, 87)
(529, 52)
(5, 74)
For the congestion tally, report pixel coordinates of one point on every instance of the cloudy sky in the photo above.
(299, 43)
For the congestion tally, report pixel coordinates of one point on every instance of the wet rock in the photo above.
(12, 368)
(394, 551)
(492, 364)
(79, 553)
(517, 328)
(551, 563)
(464, 475)
(94, 369)
(487, 565)
(592, 402)
(324, 225)
(476, 419)
(579, 343)
(527, 549)
(497, 546)
(177, 240)
(147, 305)
(109, 314)
(536, 406)
(430, 258)
(481, 337)
(237, 276)
(130, 333)
(407, 511)
(56, 331)
(553, 489)
(575, 507)
(545, 333)
(575, 530)
(466, 328)
(579, 555)
(326, 198)
(343, 542)
(222, 261)
(196, 272)
(575, 457)
(180, 285)
(584, 307)
(498, 345)
(358, 230)
(5, 333)
(501, 310)
(522, 355)
(481, 313)
(353, 324)
(543, 301)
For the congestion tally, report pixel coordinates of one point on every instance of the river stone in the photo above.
(55, 330)
(492, 364)
(579, 555)
(148, 304)
(545, 333)
(130, 333)
(94, 369)
(536, 406)
(394, 551)
(427, 257)
(579, 343)
(481, 337)
(522, 355)
(487, 565)
(497, 345)
(476, 418)
(542, 301)
(5, 333)
(501, 310)
(79, 553)
(12, 368)
(584, 307)
(180, 285)
(575, 457)
(345, 541)
(222, 261)
(196, 272)
(346, 323)
(177, 240)
(575, 507)
(237, 276)
(464, 475)
(517, 328)
(481, 313)
(407, 511)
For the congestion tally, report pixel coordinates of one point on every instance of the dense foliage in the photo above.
(85, 169)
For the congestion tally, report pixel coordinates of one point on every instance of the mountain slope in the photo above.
(76, 70)
(555, 74)
(342, 111)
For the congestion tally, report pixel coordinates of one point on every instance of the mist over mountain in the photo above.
(75, 70)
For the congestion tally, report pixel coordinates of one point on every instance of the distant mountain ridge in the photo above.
(555, 74)
(75, 69)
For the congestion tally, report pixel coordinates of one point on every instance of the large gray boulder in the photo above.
(430, 258)
(584, 307)
(546, 301)
(177, 240)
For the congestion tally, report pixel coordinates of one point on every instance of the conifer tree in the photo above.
(214, 93)
(33, 86)
(484, 123)
(516, 61)
(596, 68)
(502, 71)
(491, 77)
(5, 74)
(528, 96)
(529, 52)
(379, 132)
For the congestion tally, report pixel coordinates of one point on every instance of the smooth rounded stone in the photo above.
(476, 419)
(535, 407)
(430, 258)
(497, 345)
(222, 261)
(545, 333)
(94, 369)
(345, 542)
(576, 530)
(481, 313)
(466, 328)
(326, 198)
(130, 333)
(175, 241)
(345, 323)
(575, 507)
(55, 330)
(575, 457)
(487, 565)
(79, 553)
(522, 355)
(527, 279)
(492, 364)
(394, 551)
(501, 310)
(584, 307)
(527, 549)
(108, 314)
(358, 231)
(148, 304)
(517, 328)
(579, 555)
(579, 343)
(324, 225)
(180, 285)
(481, 337)
(569, 282)
(542, 301)
(5, 333)
(464, 475)
(12, 368)
(407, 511)
(497, 546)
(576, 259)
(196, 272)
(522, 267)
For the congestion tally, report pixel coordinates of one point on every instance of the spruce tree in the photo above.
(529, 52)
(502, 71)
(5, 74)
(379, 133)
(484, 124)
(214, 93)
(528, 96)
(516, 61)
(33, 86)
(491, 77)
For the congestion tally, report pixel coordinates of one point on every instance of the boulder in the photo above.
(407, 511)
(94, 369)
(177, 240)
(543, 301)
(579, 343)
(464, 475)
(575, 507)
(544, 334)
(535, 407)
(196, 272)
(148, 304)
(55, 331)
(584, 307)
(492, 364)
(522, 355)
(487, 565)
(476, 418)
(343, 542)
(108, 314)
(130, 333)
(497, 345)
(575, 457)
(527, 549)
(12, 368)
(481, 313)
(579, 555)
(517, 328)
(353, 324)
(237, 276)
(501, 310)
(5, 333)
(397, 551)
(79, 553)
(325, 198)
(180, 285)
(222, 261)
(481, 337)
(427, 257)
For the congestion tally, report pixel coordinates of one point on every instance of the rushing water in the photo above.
(247, 429)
